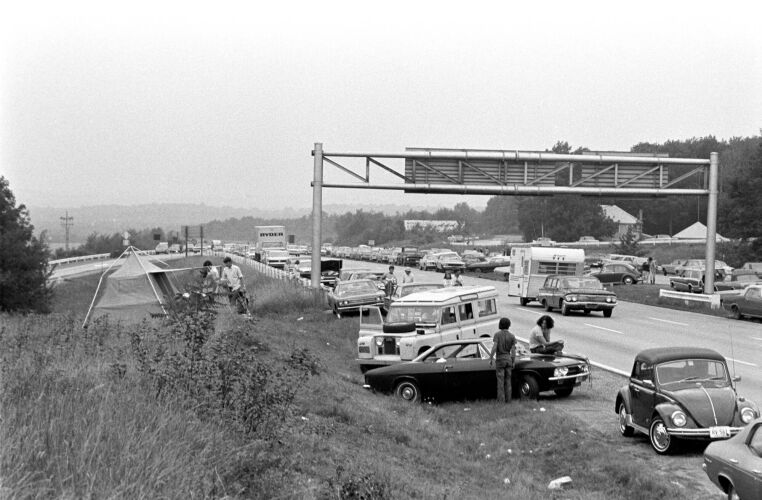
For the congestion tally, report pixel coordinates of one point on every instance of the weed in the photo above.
(347, 485)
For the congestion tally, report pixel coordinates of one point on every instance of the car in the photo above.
(633, 260)
(351, 295)
(361, 274)
(701, 264)
(672, 267)
(162, 247)
(330, 268)
(613, 272)
(504, 271)
(735, 465)
(408, 257)
(449, 261)
(405, 289)
(175, 248)
(489, 263)
(543, 242)
(587, 239)
(752, 266)
(428, 261)
(576, 293)
(749, 303)
(461, 369)
(738, 280)
(277, 258)
(679, 393)
(692, 280)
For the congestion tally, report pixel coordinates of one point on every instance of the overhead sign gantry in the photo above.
(524, 173)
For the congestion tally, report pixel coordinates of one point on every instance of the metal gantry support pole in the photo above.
(711, 222)
(317, 214)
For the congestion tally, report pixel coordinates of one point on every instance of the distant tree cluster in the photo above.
(23, 258)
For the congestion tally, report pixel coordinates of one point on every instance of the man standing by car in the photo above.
(504, 350)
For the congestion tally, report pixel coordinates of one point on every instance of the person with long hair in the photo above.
(539, 337)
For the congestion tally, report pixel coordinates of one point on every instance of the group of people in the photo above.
(503, 354)
(390, 279)
(229, 282)
(648, 270)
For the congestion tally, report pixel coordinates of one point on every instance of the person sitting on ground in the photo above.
(539, 338)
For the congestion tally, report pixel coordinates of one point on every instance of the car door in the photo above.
(752, 302)
(606, 275)
(450, 327)
(469, 375)
(642, 393)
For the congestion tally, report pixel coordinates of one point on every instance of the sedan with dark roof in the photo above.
(576, 293)
(677, 393)
(616, 272)
(351, 295)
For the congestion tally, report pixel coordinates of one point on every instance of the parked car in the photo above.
(747, 304)
(679, 393)
(587, 239)
(504, 271)
(449, 261)
(361, 274)
(405, 289)
(692, 280)
(753, 266)
(701, 264)
(489, 263)
(543, 242)
(175, 248)
(671, 268)
(162, 247)
(738, 280)
(461, 369)
(575, 293)
(611, 272)
(735, 465)
(428, 261)
(633, 260)
(351, 295)
(409, 257)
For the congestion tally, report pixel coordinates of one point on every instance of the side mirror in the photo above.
(736, 378)
(649, 383)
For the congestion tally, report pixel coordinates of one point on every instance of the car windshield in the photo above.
(412, 314)
(355, 288)
(692, 371)
(590, 283)
(404, 291)
(449, 256)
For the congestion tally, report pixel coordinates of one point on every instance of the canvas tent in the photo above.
(696, 231)
(137, 289)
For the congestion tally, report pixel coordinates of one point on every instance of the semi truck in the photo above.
(267, 238)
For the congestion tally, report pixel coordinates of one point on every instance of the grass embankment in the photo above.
(217, 406)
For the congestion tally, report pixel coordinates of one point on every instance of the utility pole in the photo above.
(67, 222)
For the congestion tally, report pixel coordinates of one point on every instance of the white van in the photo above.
(419, 320)
(531, 265)
(162, 247)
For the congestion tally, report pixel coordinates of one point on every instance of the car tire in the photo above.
(607, 313)
(564, 392)
(661, 441)
(529, 388)
(546, 305)
(732, 493)
(690, 288)
(736, 312)
(564, 309)
(523, 301)
(408, 391)
(624, 429)
(627, 280)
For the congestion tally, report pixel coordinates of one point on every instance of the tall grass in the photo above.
(221, 406)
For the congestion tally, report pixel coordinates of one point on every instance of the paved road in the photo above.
(93, 267)
(614, 341)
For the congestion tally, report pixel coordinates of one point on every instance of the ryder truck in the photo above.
(267, 238)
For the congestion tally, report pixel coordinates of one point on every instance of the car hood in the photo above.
(588, 291)
(699, 403)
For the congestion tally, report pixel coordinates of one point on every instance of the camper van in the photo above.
(530, 266)
(419, 320)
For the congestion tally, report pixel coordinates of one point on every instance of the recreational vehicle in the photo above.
(530, 266)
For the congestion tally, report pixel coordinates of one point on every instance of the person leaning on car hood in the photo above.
(504, 345)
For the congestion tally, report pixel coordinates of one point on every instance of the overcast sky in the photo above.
(221, 103)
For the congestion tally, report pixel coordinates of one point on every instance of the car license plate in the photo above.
(719, 432)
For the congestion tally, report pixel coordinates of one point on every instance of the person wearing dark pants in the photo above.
(504, 352)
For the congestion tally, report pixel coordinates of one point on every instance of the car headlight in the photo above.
(571, 298)
(747, 415)
(343, 302)
(397, 341)
(560, 372)
(679, 418)
(379, 342)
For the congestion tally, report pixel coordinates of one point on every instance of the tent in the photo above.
(696, 231)
(135, 290)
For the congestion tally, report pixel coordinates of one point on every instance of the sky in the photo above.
(221, 103)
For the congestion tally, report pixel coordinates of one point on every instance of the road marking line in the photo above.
(739, 361)
(601, 328)
(668, 321)
(757, 338)
(531, 310)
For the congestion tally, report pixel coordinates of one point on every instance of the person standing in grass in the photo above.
(504, 351)
(232, 277)
(651, 270)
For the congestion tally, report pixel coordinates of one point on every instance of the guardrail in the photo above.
(81, 258)
(713, 300)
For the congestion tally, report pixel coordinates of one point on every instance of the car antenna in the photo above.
(732, 351)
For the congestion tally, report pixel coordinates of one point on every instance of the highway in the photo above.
(613, 342)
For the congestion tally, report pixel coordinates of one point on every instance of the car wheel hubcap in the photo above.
(408, 393)
(660, 437)
(622, 419)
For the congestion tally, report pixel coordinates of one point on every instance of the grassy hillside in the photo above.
(213, 405)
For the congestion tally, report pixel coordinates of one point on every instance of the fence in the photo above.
(713, 300)
(82, 258)
(270, 272)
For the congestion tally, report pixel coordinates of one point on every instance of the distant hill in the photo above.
(109, 219)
